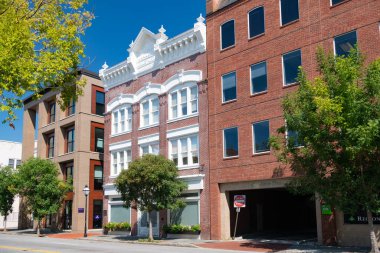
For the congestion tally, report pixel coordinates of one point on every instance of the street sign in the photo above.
(239, 201)
(80, 210)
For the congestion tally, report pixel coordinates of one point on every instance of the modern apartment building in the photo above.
(254, 50)
(10, 155)
(156, 102)
(74, 140)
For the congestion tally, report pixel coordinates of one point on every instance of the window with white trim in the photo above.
(122, 120)
(120, 161)
(150, 148)
(149, 111)
(184, 151)
(183, 101)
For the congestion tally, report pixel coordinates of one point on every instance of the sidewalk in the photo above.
(237, 245)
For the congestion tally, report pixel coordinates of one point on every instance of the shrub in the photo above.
(115, 226)
(181, 229)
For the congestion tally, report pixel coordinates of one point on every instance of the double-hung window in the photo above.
(149, 112)
(256, 22)
(122, 120)
(50, 145)
(183, 102)
(344, 43)
(261, 137)
(292, 138)
(120, 161)
(289, 11)
(98, 177)
(229, 86)
(51, 113)
(184, 151)
(100, 102)
(259, 77)
(70, 137)
(227, 34)
(230, 142)
(291, 63)
(71, 107)
(151, 148)
(99, 140)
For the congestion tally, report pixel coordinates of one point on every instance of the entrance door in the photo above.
(97, 219)
(143, 225)
(68, 214)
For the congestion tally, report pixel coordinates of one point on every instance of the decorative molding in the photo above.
(182, 76)
(178, 132)
(120, 145)
(151, 51)
(148, 139)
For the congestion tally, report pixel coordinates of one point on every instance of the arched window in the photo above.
(183, 100)
(122, 119)
(149, 111)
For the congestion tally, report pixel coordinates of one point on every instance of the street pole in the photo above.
(85, 218)
(236, 221)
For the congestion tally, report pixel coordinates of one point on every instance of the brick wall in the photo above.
(317, 26)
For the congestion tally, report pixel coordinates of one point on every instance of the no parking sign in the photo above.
(239, 201)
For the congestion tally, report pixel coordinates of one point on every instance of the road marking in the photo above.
(26, 249)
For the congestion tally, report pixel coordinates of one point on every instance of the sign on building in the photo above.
(239, 201)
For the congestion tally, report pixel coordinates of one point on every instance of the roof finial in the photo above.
(105, 66)
(200, 19)
(162, 29)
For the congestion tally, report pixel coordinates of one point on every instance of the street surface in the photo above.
(22, 243)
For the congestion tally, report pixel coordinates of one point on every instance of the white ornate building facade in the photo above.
(156, 102)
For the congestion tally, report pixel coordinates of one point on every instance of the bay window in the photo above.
(183, 101)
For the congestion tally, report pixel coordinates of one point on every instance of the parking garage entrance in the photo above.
(274, 214)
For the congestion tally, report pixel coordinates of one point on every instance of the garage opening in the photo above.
(274, 214)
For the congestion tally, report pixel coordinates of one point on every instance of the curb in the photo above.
(183, 245)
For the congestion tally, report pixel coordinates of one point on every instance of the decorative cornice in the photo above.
(151, 51)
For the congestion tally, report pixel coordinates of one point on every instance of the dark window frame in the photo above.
(51, 116)
(249, 22)
(50, 148)
(225, 156)
(221, 35)
(341, 35)
(266, 78)
(284, 83)
(282, 16)
(222, 78)
(71, 107)
(255, 151)
(98, 183)
(70, 145)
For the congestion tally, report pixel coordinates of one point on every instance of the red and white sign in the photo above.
(239, 201)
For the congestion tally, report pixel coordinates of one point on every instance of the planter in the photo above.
(120, 232)
(188, 235)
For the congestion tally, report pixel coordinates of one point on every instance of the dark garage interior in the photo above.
(274, 214)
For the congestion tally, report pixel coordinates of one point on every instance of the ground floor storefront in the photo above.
(189, 215)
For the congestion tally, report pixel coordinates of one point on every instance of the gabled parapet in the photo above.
(152, 51)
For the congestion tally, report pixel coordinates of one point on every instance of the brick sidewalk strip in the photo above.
(71, 235)
(244, 246)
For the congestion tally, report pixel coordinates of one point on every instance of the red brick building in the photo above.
(254, 50)
(156, 102)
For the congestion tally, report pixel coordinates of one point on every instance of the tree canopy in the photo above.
(151, 184)
(7, 192)
(39, 185)
(336, 117)
(40, 46)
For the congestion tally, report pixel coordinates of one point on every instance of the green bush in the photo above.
(181, 229)
(115, 226)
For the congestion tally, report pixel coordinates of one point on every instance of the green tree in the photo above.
(40, 46)
(151, 184)
(7, 192)
(39, 185)
(337, 119)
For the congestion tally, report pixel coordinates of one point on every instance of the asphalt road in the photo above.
(23, 243)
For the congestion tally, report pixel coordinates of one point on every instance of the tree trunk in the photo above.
(38, 227)
(150, 226)
(5, 223)
(375, 248)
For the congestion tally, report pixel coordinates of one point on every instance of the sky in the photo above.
(116, 24)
